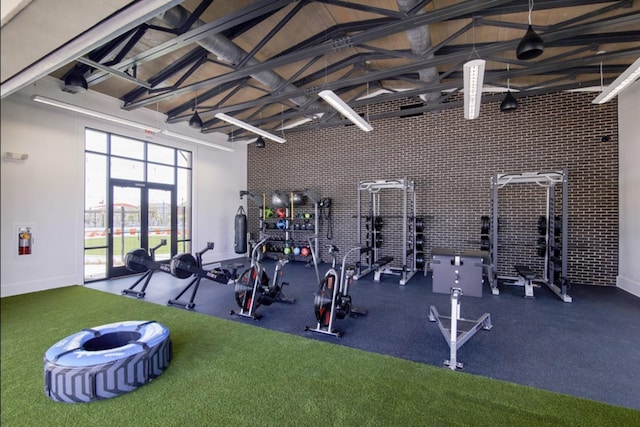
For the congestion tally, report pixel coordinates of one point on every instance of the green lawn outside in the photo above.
(130, 243)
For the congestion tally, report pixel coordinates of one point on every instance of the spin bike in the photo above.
(332, 301)
(253, 287)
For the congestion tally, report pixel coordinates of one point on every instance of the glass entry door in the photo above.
(141, 215)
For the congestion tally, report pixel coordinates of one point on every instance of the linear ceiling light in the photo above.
(625, 79)
(196, 140)
(250, 128)
(336, 102)
(473, 73)
(92, 113)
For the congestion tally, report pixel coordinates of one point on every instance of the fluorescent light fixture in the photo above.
(196, 140)
(377, 92)
(295, 124)
(250, 128)
(336, 102)
(92, 113)
(625, 79)
(473, 73)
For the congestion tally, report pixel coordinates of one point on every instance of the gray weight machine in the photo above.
(371, 259)
(457, 275)
(555, 250)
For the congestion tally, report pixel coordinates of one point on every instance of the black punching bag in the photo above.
(241, 231)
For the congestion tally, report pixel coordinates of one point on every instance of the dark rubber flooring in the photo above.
(588, 348)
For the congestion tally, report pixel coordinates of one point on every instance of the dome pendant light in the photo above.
(531, 45)
(75, 82)
(195, 121)
(509, 103)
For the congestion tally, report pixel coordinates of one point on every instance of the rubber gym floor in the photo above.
(587, 348)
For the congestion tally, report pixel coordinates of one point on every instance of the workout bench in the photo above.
(380, 269)
(526, 279)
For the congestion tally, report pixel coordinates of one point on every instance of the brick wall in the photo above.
(451, 160)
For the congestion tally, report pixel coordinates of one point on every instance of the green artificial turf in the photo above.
(228, 373)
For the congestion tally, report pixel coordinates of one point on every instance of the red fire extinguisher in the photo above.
(24, 242)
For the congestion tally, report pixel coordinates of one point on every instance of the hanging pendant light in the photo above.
(75, 82)
(195, 121)
(509, 103)
(531, 45)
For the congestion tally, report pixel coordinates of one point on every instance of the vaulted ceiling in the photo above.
(264, 62)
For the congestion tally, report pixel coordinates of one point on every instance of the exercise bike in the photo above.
(186, 265)
(253, 287)
(141, 261)
(332, 301)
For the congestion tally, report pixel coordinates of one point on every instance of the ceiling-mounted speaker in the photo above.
(260, 143)
(75, 83)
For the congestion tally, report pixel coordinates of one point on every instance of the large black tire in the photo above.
(106, 361)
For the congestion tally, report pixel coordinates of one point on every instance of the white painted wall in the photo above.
(47, 190)
(629, 189)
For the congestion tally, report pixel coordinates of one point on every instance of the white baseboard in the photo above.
(628, 285)
(26, 288)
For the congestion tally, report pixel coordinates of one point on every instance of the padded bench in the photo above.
(379, 267)
(525, 279)
(382, 261)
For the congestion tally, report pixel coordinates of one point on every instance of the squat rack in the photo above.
(408, 249)
(552, 265)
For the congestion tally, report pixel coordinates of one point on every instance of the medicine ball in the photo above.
(279, 200)
(287, 250)
(299, 198)
(281, 213)
(296, 251)
(305, 251)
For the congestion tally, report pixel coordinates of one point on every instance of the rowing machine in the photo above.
(186, 265)
(141, 261)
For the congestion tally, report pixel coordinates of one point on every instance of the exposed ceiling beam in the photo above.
(126, 19)
(366, 36)
(217, 26)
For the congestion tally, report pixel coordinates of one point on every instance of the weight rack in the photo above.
(409, 237)
(558, 283)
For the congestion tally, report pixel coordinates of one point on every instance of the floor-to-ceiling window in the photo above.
(137, 195)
